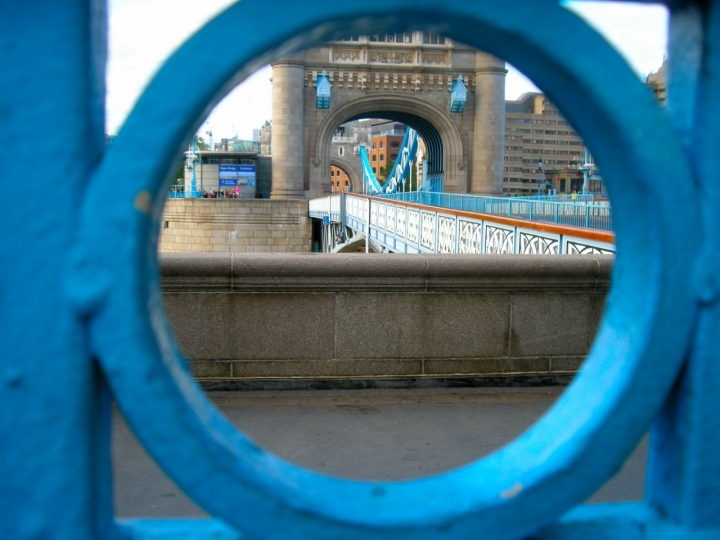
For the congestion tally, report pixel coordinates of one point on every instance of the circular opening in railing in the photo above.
(560, 460)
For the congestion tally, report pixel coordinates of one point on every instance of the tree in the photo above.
(201, 144)
(180, 173)
(413, 179)
(386, 170)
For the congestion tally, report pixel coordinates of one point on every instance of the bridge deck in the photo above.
(402, 226)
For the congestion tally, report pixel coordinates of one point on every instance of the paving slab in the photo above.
(374, 434)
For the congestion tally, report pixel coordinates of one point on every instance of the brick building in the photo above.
(385, 143)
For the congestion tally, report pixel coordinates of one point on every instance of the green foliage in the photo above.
(386, 170)
(413, 179)
(201, 144)
(180, 173)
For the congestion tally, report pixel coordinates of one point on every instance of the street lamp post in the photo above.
(587, 172)
(585, 166)
(540, 176)
(190, 161)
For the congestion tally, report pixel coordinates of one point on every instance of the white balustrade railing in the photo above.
(325, 206)
(403, 227)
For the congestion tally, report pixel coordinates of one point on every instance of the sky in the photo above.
(144, 33)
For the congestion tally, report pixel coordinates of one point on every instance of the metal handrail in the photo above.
(575, 213)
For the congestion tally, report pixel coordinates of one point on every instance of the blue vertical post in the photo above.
(191, 163)
(684, 470)
(54, 456)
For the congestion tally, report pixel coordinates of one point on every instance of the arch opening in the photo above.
(441, 136)
(351, 181)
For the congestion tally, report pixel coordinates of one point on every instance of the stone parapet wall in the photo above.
(242, 317)
(235, 226)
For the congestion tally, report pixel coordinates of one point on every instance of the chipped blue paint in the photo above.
(80, 282)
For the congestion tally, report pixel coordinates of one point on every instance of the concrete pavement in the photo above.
(365, 434)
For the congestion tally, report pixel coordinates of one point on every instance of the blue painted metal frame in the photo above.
(403, 163)
(400, 171)
(100, 330)
(373, 186)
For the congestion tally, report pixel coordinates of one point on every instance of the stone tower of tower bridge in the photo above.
(402, 77)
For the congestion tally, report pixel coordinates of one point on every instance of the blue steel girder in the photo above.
(401, 170)
(100, 328)
(435, 157)
(371, 182)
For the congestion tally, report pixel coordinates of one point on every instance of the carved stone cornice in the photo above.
(491, 70)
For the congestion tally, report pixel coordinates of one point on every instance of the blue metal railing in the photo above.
(219, 194)
(176, 193)
(82, 321)
(564, 197)
(575, 214)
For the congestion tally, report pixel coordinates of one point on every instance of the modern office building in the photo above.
(541, 149)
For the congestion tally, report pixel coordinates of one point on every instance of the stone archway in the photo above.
(408, 80)
(352, 172)
(407, 109)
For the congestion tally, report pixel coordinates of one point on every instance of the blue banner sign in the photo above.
(243, 175)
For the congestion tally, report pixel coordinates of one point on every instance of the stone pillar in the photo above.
(288, 152)
(489, 129)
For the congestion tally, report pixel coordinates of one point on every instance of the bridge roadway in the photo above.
(370, 434)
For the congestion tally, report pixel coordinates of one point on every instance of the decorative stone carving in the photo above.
(438, 58)
(346, 55)
(391, 57)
